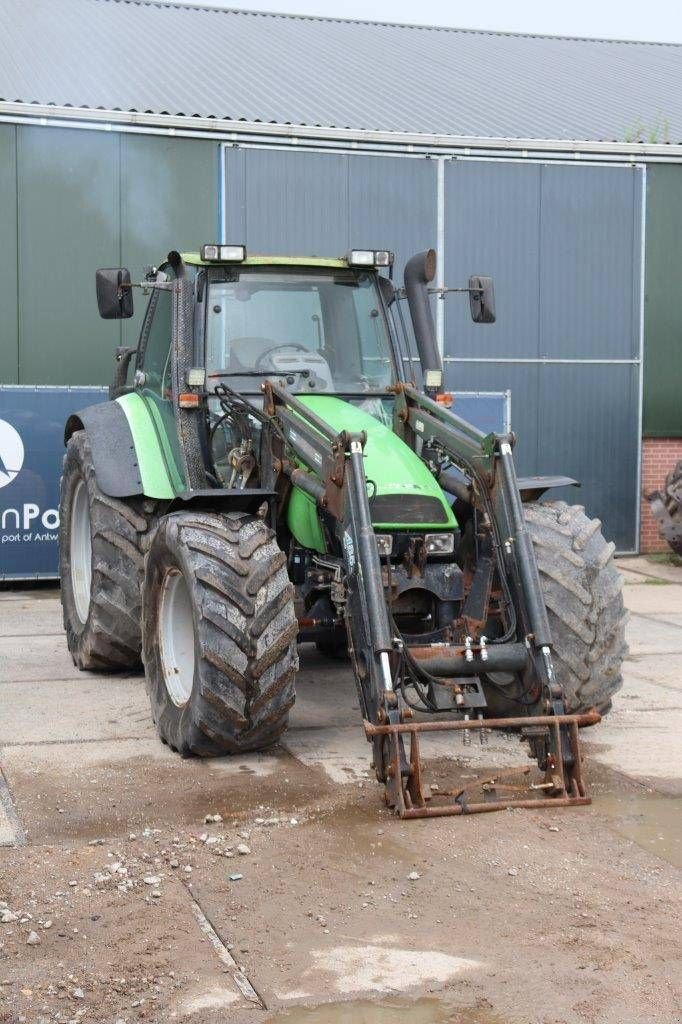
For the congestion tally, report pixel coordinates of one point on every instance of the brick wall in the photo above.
(659, 455)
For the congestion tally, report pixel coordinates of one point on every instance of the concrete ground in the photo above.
(119, 903)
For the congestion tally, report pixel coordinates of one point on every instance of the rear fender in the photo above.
(533, 487)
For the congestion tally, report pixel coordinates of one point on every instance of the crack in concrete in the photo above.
(240, 979)
(66, 743)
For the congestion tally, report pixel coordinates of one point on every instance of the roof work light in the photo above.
(370, 258)
(213, 253)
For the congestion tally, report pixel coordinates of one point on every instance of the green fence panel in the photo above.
(9, 339)
(169, 200)
(68, 190)
(663, 306)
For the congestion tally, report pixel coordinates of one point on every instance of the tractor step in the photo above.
(562, 785)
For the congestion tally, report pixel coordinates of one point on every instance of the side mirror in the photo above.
(114, 293)
(482, 300)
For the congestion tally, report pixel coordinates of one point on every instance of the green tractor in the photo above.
(274, 475)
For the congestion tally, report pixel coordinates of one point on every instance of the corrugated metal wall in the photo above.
(663, 307)
(72, 201)
(293, 203)
(563, 244)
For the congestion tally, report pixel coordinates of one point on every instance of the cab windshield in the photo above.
(318, 331)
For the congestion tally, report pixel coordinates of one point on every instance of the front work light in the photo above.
(384, 543)
(213, 253)
(433, 379)
(440, 543)
(369, 258)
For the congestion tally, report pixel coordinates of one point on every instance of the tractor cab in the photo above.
(319, 325)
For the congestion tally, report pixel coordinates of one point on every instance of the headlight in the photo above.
(233, 253)
(370, 258)
(384, 543)
(440, 543)
(227, 253)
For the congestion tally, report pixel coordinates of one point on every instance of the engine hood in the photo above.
(406, 495)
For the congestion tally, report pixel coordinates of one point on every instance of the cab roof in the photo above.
(194, 259)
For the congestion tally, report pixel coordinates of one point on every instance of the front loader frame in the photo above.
(304, 451)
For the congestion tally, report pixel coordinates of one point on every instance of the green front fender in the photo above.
(154, 437)
(132, 442)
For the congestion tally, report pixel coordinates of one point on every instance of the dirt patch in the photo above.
(92, 790)
(331, 898)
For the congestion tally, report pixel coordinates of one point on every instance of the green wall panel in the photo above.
(9, 340)
(68, 226)
(88, 199)
(663, 306)
(169, 200)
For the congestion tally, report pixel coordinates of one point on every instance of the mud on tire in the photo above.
(110, 638)
(239, 678)
(583, 594)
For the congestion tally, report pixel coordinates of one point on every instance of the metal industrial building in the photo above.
(552, 164)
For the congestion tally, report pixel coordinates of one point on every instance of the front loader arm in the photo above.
(329, 467)
(339, 486)
(488, 461)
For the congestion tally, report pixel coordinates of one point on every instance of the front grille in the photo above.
(407, 509)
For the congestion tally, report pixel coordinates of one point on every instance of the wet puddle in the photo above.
(650, 820)
(393, 1011)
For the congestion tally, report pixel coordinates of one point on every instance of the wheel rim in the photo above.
(176, 637)
(81, 551)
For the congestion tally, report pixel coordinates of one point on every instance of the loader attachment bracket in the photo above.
(561, 785)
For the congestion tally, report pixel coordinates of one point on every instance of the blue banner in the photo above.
(32, 423)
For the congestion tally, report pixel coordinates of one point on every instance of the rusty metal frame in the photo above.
(404, 791)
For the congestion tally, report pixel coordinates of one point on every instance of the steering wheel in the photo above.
(276, 348)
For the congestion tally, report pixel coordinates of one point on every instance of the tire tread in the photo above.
(583, 595)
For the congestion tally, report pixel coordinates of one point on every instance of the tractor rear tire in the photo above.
(101, 566)
(219, 634)
(583, 595)
(666, 507)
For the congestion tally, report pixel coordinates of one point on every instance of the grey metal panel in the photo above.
(590, 259)
(68, 226)
(284, 201)
(322, 71)
(9, 337)
(576, 420)
(392, 206)
(492, 226)
(564, 246)
(588, 429)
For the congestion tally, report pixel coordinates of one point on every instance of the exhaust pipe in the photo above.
(419, 272)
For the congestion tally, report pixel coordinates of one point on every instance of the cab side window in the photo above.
(155, 341)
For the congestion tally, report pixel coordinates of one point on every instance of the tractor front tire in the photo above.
(583, 595)
(101, 565)
(219, 634)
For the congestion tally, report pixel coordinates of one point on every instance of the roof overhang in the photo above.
(51, 115)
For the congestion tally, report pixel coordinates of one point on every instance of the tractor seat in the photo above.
(246, 351)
